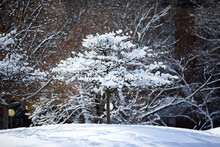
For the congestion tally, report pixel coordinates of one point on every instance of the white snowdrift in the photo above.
(82, 135)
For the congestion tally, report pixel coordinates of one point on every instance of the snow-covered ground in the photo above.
(82, 135)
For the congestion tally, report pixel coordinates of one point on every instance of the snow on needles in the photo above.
(113, 61)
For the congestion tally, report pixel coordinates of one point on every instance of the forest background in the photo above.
(36, 35)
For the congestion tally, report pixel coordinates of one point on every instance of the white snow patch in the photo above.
(82, 135)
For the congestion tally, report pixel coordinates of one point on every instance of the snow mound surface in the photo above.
(86, 135)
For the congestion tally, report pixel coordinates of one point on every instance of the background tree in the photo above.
(206, 56)
(24, 49)
(197, 68)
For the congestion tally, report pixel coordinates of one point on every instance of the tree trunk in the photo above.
(4, 117)
(108, 106)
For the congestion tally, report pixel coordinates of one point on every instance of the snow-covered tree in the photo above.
(23, 51)
(206, 52)
(111, 63)
(17, 75)
(198, 71)
(197, 91)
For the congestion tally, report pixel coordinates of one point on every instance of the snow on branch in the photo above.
(7, 40)
(113, 61)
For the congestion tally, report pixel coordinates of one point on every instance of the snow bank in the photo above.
(107, 136)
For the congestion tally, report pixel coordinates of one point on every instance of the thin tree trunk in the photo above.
(4, 117)
(108, 106)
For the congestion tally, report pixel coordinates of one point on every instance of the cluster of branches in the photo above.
(153, 105)
(24, 49)
(138, 50)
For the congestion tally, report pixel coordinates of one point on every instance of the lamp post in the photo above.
(11, 113)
